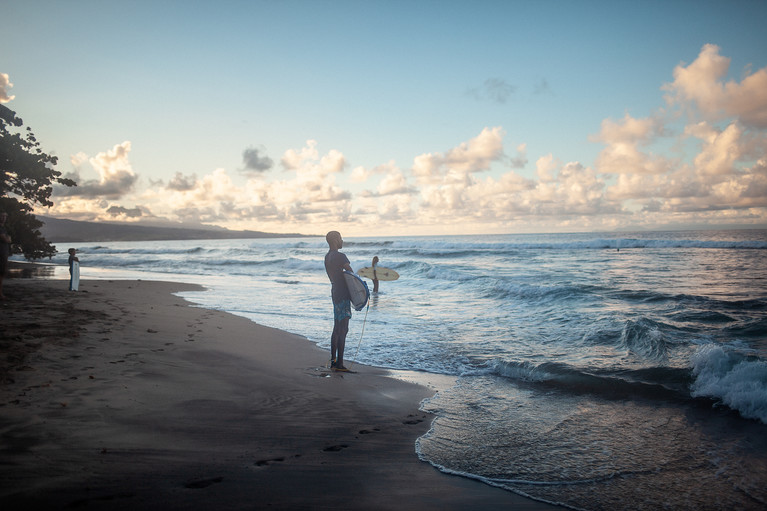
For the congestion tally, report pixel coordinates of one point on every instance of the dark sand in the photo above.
(121, 396)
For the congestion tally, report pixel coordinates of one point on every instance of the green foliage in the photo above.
(27, 175)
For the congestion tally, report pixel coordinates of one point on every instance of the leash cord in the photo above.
(361, 334)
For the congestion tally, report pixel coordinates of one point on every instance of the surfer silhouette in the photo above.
(375, 277)
(335, 264)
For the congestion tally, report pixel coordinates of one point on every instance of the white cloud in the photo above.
(721, 149)
(394, 183)
(649, 171)
(701, 83)
(624, 147)
(293, 159)
(115, 174)
(545, 167)
(475, 155)
(5, 84)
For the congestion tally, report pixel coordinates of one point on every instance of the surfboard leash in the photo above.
(361, 334)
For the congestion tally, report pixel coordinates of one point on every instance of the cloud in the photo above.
(116, 176)
(495, 90)
(182, 183)
(475, 155)
(450, 189)
(520, 160)
(701, 84)
(119, 211)
(708, 166)
(5, 84)
(307, 196)
(362, 174)
(256, 162)
(308, 161)
(542, 87)
(393, 182)
(721, 149)
(624, 142)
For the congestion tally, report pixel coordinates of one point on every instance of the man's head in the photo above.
(3, 217)
(334, 240)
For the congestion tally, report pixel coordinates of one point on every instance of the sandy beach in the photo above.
(122, 396)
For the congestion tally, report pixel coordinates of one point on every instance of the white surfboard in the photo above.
(74, 281)
(357, 289)
(381, 273)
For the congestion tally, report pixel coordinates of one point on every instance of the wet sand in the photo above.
(122, 396)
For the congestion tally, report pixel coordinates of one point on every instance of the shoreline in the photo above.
(125, 396)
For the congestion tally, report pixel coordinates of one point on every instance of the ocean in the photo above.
(595, 371)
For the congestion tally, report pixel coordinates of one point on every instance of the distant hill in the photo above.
(57, 230)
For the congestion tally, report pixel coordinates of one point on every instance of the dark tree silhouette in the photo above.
(27, 175)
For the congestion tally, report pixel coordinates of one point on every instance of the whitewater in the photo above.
(595, 371)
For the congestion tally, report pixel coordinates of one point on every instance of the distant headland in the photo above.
(57, 230)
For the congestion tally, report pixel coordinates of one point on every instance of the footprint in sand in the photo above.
(335, 448)
(202, 483)
(263, 463)
(411, 420)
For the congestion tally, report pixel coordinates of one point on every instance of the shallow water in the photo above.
(599, 371)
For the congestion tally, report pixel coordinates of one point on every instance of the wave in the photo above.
(645, 339)
(734, 377)
(725, 374)
(104, 250)
(509, 290)
(654, 383)
(451, 247)
(688, 302)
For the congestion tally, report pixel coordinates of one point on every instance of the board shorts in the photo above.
(342, 310)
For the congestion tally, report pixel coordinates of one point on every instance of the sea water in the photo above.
(597, 371)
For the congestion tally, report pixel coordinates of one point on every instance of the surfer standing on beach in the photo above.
(335, 264)
(72, 259)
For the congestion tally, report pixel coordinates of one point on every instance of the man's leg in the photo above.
(340, 329)
(334, 343)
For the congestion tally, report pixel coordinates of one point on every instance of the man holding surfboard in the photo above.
(335, 264)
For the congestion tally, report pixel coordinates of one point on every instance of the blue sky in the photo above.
(397, 117)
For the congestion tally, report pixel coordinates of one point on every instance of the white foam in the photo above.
(738, 381)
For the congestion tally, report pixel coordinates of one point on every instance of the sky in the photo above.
(384, 118)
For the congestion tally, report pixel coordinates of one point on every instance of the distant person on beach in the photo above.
(5, 250)
(72, 259)
(375, 277)
(335, 263)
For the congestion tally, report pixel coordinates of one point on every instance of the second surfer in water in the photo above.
(335, 264)
(375, 277)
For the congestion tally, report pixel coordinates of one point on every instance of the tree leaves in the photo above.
(27, 175)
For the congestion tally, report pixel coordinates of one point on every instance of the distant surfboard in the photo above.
(74, 281)
(357, 289)
(381, 273)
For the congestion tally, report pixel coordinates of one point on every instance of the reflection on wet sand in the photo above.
(24, 270)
